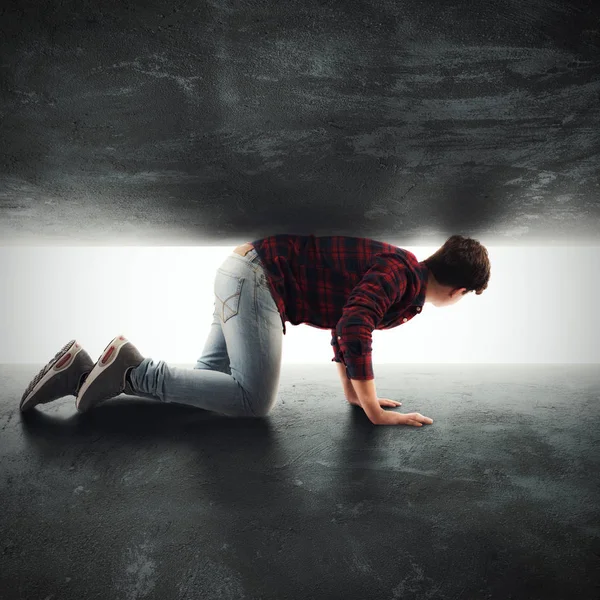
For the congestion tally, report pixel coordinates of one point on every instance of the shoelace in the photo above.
(41, 374)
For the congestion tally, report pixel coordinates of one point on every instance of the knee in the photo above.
(263, 411)
(258, 408)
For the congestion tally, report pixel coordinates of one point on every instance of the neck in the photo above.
(433, 289)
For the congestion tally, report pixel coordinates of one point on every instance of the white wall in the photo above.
(540, 307)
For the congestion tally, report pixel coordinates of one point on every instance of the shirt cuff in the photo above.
(362, 369)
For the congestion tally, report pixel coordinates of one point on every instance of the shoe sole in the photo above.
(106, 360)
(63, 360)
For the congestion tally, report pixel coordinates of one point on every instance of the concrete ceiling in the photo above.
(210, 123)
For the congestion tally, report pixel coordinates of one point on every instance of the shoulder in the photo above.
(402, 260)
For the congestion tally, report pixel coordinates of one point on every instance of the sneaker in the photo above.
(62, 376)
(107, 378)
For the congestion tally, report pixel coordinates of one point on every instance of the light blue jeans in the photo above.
(238, 372)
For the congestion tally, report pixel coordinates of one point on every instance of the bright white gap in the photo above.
(540, 307)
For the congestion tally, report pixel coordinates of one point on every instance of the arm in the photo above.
(365, 390)
(346, 384)
(365, 307)
(367, 396)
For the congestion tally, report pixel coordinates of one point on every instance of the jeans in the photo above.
(238, 372)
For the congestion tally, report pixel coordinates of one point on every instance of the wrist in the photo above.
(383, 418)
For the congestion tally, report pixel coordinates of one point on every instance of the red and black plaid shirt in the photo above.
(347, 284)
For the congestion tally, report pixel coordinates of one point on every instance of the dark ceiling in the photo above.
(209, 123)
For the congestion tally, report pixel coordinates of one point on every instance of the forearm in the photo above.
(346, 384)
(367, 396)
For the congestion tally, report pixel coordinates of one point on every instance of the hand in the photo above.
(382, 402)
(394, 418)
(415, 419)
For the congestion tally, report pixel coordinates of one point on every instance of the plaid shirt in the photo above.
(347, 284)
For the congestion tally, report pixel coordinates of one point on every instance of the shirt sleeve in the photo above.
(381, 286)
(337, 355)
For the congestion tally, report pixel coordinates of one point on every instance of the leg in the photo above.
(214, 356)
(251, 327)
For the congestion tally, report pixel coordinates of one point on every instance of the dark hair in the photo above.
(461, 262)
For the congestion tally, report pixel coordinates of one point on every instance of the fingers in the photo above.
(418, 419)
(387, 402)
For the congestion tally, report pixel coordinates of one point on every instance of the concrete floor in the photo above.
(499, 498)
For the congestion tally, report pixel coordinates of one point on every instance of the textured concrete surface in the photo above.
(497, 499)
(215, 122)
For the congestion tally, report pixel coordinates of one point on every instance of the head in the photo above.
(460, 266)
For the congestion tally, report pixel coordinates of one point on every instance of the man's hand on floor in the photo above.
(391, 418)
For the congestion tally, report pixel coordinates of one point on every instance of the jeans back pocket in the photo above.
(228, 289)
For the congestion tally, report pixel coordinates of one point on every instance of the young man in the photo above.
(346, 284)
